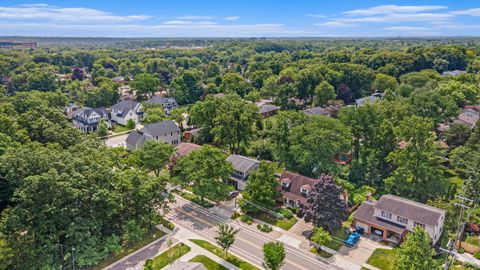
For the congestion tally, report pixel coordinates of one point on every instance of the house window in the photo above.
(386, 215)
(304, 191)
(285, 184)
(402, 220)
(415, 224)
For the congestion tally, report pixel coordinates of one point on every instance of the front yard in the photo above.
(169, 256)
(208, 263)
(383, 259)
(338, 237)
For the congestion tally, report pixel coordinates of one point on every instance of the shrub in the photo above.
(461, 250)
(235, 215)
(285, 213)
(246, 219)
(477, 255)
(264, 228)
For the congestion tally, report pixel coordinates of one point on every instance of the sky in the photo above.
(235, 18)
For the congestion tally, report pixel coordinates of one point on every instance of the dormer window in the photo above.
(286, 183)
(304, 191)
(386, 215)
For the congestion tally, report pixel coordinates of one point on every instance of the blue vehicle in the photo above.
(352, 239)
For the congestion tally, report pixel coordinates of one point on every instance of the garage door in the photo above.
(362, 225)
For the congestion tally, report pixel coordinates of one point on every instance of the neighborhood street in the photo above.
(249, 241)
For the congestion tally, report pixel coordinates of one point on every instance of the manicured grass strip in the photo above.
(194, 198)
(286, 223)
(208, 263)
(220, 253)
(321, 253)
(170, 255)
(339, 235)
(126, 250)
(119, 128)
(383, 258)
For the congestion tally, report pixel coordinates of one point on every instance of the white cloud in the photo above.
(385, 9)
(316, 15)
(194, 18)
(53, 13)
(335, 24)
(470, 12)
(402, 17)
(183, 22)
(232, 18)
(405, 28)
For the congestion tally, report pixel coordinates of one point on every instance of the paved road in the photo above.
(249, 241)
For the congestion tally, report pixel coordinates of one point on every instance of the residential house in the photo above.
(163, 131)
(392, 217)
(185, 148)
(268, 110)
(370, 99)
(126, 110)
(454, 72)
(242, 167)
(469, 117)
(191, 135)
(167, 103)
(86, 119)
(126, 93)
(295, 188)
(317, 111)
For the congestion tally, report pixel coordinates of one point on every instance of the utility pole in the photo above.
(73, 257)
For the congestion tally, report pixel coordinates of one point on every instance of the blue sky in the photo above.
(245, 18)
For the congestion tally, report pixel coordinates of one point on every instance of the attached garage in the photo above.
(362, 225)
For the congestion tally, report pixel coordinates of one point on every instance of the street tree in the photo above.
(325, 208)
(226, 236)
(207, 171)
(153, 156)
(415, 253)
(273, 255)
(153, 115)
(145, 84)
(260, 189)
(320, 237)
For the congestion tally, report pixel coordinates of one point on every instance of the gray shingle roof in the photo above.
(170, 102)
(418, 212)
(241, 163)
(268, 108)
(133, 137)
(365, 213)
(160, 128)
(125, 106)
(317, 111)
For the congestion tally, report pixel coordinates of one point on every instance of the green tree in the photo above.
(153, 115)
(418, 173)
(415, 253)
(179, 116)
(102, 129)
(153, 156)
(320, 237)
(186, 88)
(145, 84)
(260, 189)
(323, 93)
(457, 134)
(233, 123)
(226, 236)
(273, 255)
(5, 255)
(384, 82)
(130, 124)
(207, 170)
(234, 83)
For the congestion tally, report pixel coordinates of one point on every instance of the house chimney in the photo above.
(369, 197)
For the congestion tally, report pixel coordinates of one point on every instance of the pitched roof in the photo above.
(184, 148)
(134, 137)
(297, 181)
(365, 213)
(418, 212)
(125, 106)
(241, 163)
(267, 108)
(317, 111)
(160, 128)
(164, 101)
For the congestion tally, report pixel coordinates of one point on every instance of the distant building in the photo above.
(165, 131)
(392, 217)
(317, 111)
(11, 45)
(268, 110)
(370, 99)
(469, 117)
(126, 110)
(454, 72)
(167, 103)
(185, 148)
(242, 167)
(87, 119)
(191, 135)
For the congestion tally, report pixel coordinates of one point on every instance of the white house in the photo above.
(164, 131)
(126, 110)
(86, 119)
(392, 217)
(242, 167)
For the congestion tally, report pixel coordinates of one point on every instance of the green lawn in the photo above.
(169, 256)
(208, 263)
(383, 258)
(321, 253)
(472, 240)
(119, 129)
(339, 235)
(154, 235)
(194, 198)
(220, 253)
(285, 223)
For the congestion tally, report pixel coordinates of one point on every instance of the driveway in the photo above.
(116, 141)
(360, 253)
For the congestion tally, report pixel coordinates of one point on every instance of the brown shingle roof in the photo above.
(296, 182)
(415, 211)
(365, 212)
(184, 148)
